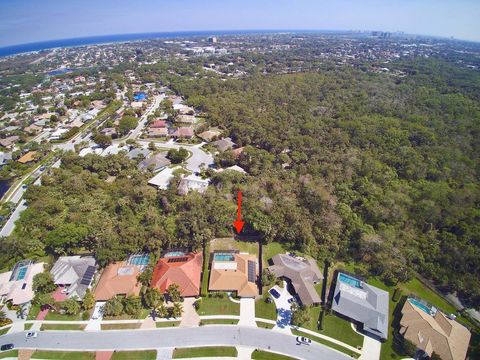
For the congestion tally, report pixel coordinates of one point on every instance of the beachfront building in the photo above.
(303, 274)
(235, 272)
(431, 331)
(182, 269)
(74, 274)
(365, 304)
(16, 285)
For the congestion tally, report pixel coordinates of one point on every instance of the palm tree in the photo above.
(162, 311)
(177, 310)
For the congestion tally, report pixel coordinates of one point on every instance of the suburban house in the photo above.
(209, 135)
(431, 330)
(118, 278)
(75, 274)
(5, 158)
(362, 303)
(16, 285)
(182, 269)
(28, 157)
(162, 179)
(9, 141)
(302, 273)
(183, 133)
(224, 144)
(186, 119)
(109, 131)
(154, 163)
(138, 153)
(157, 124)
(32, 129)
(233, 271)
(157, 132)
(192, 183)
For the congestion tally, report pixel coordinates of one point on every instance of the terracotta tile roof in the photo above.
(233, 276)
(437, 333)
(185, 271)
(29, 156)
(158, 124)
(118, 278)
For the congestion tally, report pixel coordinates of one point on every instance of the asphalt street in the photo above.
(218, 335)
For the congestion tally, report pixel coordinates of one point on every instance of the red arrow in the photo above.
(238, 224)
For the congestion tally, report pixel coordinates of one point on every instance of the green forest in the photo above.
(343, 164)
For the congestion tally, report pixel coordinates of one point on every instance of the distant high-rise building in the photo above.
(212, 39)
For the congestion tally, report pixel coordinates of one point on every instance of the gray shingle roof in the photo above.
(303, 274)
(69, 270)
(366, 304)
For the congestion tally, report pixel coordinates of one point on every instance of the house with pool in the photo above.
(181, 268)
(16, 285)
(362, 303)
(233, 271)
(430, 330)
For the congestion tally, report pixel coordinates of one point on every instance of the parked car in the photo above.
(31, 334)
(6, 347)
(274, 293)
(303, 340)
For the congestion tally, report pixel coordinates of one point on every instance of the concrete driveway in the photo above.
(284, 312)
(247, 312)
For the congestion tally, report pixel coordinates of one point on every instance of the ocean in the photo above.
(38, 46)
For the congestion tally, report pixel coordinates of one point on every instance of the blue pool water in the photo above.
(350, 280)
(174, 253)
(424, 307)
(140, 96)
(223, 257)
(139, 259)
(21, 273)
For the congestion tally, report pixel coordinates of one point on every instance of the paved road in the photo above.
(172, 337)
(199, 156)
(143, 120)
(10, 224)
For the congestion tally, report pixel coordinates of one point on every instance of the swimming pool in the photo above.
(350, 280)
(223, 257)
(174, 253)
(21, 273)
(427, 309)
(139, 259)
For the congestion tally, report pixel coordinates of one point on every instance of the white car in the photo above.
(303, 340)
(31, 334)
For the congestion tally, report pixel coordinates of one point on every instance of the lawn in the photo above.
(67, 355)
(27, 326)
(4, 331)
(219, 321)
(163, 324)
(264, 325)
(216, 306)
(415, 287)
(231, 244)
(327, 343)
(9, 354)
(206, 259)
(264, 310)
(266, 355)
(120, 326)
(340, 329)
(134, 355)
(62, 327)
(208, 351)
(32, 314)
(270, 250)
(62, 317)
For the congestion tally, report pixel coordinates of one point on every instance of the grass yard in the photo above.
(266, 355)
(27, 326)
(67, 355)
(219, 321)
(62, 327)
(208, 351)
(32, 314)
(206, 259)
(9, 354)
(216, 306)
(120, 326)
(163, 324)
(264, 310)
(62, 317)
(231, 244)
(4, 331)
(264, 325)
(134, 355)
(327, 343)
(270, 250)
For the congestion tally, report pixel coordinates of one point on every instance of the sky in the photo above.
(25, 21)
